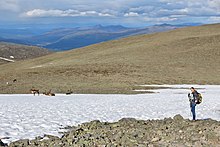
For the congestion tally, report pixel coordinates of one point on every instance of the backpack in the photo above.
(199, 98)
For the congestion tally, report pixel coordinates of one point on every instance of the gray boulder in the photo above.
(178, 118)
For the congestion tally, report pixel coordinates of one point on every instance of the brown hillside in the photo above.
(20, 52)
(183, 56)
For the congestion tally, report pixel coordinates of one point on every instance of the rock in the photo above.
(178, 118)
(1, 143)
(50, 137)
(156, 139)
(20, 143)
(127, 120)
(131, 132)
(198, 144)
(159, 132)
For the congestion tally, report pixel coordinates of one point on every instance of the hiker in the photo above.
(196, 98)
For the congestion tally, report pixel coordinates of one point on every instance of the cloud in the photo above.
(63, 13)
(131, 14)
(161, 19)
(196, 8)
(9, 5)
(215, 19)
(115, 11)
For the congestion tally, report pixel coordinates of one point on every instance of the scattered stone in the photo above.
(131, 132)
(20, 143)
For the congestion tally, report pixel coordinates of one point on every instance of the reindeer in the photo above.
(69, 92)
(34, 91)
(49, 93)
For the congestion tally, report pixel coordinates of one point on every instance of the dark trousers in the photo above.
(193, 110)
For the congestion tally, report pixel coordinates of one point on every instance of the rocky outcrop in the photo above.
(1, 143)
(130, 132)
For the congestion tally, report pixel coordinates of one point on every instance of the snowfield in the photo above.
(28, 116)
(9, 60)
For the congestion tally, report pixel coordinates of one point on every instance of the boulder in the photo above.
(178, 118)
(1, 143)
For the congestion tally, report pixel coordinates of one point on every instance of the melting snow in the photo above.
(9, 60)
(28, 116)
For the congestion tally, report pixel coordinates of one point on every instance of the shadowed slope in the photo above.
(19, 52)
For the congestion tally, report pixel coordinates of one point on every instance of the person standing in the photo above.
(194, 99)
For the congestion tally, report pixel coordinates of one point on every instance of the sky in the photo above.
(135, 13)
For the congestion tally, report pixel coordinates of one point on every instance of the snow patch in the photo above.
(9, 60)
(27, 116)
(38, 66)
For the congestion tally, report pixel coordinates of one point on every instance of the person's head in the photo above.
(192, 89)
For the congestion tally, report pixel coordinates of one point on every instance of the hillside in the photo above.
(14, 52)
(69, 38)
(187, 55)
(84, 37)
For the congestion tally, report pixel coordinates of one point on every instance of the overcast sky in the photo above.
(106, 12)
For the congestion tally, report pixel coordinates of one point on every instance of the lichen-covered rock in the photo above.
(178, 118)
(130, 132)
(20, 143)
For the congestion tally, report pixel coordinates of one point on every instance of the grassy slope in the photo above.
(188, 55)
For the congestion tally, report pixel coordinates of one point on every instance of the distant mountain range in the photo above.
(70, 38)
